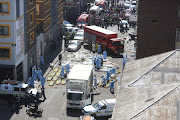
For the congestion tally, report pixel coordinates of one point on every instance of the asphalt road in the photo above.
(54, 107)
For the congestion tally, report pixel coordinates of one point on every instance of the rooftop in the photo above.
(102, 30)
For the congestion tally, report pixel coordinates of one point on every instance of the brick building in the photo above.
(158, 27)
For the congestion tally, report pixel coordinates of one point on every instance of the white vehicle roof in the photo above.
(81, 33)
(95, 8)
(110, 100)
(22, 85)
(80, 72)
(102, 30)
(69, 27)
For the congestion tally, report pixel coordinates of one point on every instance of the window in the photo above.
(31, 17)
(98, 37)
(47, 6)
(30, 1)
(4, 8)
(104, 39)
(5, 53)
(103, 107)
(47, 23)
(154, 21)
(37, 9)
(16, 89)
(4, 30)
(31, 37)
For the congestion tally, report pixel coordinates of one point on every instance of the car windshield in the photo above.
(74, 96)
(118, 43)
(81, 22)
(127, 2)
(97, 105)
(73, 43)
(79, 35)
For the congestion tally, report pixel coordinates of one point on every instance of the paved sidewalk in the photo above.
(52, 57)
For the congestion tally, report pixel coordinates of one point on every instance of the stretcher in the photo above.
(58, 73)
(55, 78)
(53, 73)
(49, 78)
(63, 81)
(56, 69)
(51, 83)
(58, 82)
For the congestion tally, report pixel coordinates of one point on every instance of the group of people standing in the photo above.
(113, 15)
(37, 75)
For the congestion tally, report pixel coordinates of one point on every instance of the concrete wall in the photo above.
(165, 109)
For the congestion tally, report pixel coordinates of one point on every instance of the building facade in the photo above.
(158, 27)
(27, 29)
(30, 30)
(73, 9)
(11, 39)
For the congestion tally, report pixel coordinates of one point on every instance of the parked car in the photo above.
(79, 36)
(132, 7)
(127, 4)
(74, 45)
(67, 24)
(133, 2)
(101, 108)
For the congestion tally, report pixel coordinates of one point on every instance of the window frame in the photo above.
(8, 13)
(30, 2)
(9, 31)
(37, 13)
(9, 48)
(46, 27)
(46, 8)
(31, 34)
(32, 17)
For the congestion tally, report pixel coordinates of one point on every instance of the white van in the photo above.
(101, 108)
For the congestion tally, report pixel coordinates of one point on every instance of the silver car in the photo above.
(79, 36)
(74, 45)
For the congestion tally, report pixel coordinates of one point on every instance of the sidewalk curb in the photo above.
(54, 62)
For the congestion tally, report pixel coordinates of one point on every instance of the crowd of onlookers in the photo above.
(113, 15)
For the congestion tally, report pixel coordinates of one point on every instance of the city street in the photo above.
(54, 107)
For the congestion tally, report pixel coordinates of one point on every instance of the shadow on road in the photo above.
(5, 112)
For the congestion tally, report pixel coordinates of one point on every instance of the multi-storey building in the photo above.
(30, 35)
(73, 8)
(158, 27)
(11, 39)
(27, 28)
